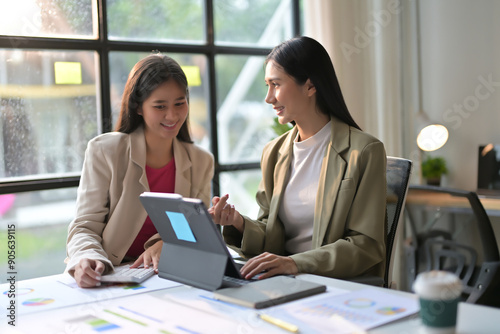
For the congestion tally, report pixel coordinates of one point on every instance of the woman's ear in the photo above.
(311, 89)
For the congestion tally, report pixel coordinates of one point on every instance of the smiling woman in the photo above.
(151, 150)
(321, 209)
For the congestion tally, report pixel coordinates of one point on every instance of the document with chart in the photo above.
(365, 309)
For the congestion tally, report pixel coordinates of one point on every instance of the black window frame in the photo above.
(103, 47)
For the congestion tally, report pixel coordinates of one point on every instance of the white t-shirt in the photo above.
(299, 199)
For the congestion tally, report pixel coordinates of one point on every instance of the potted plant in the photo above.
(433, 168)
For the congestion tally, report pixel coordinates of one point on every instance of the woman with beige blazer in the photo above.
(151, 150)
(323, 189)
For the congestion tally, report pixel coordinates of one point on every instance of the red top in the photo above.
(160, 180)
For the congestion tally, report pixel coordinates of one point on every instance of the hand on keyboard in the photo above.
(151, 256)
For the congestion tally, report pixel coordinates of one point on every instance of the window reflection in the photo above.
(242, 187)
(244, 120)
(262, 23)
(40, 220)
(49, 18)
(157, 21)
(45, 126)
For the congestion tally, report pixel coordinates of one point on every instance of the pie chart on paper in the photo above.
(38, 302)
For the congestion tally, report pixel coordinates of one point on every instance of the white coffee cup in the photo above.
(439, 293)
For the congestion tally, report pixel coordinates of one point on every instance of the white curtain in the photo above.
(363, 40)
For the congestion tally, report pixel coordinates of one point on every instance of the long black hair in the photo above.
(304, 58)
(144, 78)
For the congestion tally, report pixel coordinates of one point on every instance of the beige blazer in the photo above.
(349, 220)
(109, 214)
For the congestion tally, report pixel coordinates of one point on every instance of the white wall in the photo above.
(460, 54)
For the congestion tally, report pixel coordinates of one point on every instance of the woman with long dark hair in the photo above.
(151, 150)
(322, 194)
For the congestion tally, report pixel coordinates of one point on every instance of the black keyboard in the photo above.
(234, 281)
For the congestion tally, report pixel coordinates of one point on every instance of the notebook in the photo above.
(195, 254)
(269, 292)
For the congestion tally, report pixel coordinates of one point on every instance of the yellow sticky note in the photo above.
(68, 73)
(193, 75)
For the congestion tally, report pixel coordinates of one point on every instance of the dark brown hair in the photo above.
(304, 58)
(144, 78)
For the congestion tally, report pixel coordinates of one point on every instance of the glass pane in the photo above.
(195, 67)
(157, 21)
(302, 17)
(244, 120)
(48, 111)
(48, 18)
(242, 187)
(39, 222)
(263, 23)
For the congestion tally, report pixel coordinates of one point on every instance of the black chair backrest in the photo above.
(450, 230)
(451, 256)
(398, 177)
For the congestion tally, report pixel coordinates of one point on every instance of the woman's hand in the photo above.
(151, 256)
(269, 265)
(88, 273)
(224, 213)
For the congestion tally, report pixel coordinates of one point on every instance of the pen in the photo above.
(280, 323)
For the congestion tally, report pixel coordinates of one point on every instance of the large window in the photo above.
(63, 66)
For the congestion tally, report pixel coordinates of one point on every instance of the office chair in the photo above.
(397, 177)
(450, 230)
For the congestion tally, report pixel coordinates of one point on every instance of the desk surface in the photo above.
(87, 316)
(421, 197)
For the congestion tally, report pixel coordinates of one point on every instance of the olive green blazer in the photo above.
(108, 210)
(349, 230)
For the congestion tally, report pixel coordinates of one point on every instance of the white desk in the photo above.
(472, 318)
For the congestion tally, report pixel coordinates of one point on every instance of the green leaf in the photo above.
(279, 128)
